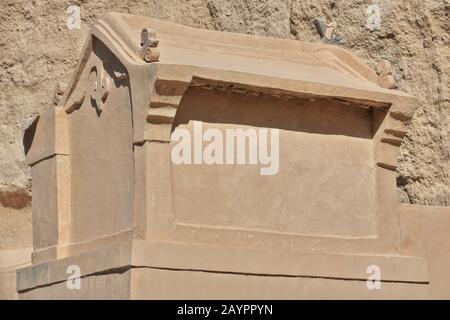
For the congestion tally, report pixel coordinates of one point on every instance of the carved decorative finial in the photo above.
(149, 44)
(327, 32)
(385, 78)
(100, 82)
(58, 92)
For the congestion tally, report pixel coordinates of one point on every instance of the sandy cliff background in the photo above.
(37, 49)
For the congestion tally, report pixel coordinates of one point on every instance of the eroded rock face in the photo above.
(38, 49)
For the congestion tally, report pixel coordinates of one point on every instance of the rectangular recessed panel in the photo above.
(324, 184)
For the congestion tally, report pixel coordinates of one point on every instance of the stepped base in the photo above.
(150, 270)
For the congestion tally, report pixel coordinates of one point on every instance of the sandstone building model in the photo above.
(108, 199)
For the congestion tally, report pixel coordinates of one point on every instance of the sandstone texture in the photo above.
(38, 49)
(15, 228)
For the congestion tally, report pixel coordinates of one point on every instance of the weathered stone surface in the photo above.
(38, 49)
(15, 228)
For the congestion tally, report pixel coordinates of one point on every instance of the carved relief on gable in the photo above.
(101, 73)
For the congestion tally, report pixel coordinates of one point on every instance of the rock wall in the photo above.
(38, 49)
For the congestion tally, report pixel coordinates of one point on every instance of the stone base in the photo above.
(155, 270)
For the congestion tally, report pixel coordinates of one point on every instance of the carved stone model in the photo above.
(108, 199)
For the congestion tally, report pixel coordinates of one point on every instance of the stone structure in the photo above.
(108, 199)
